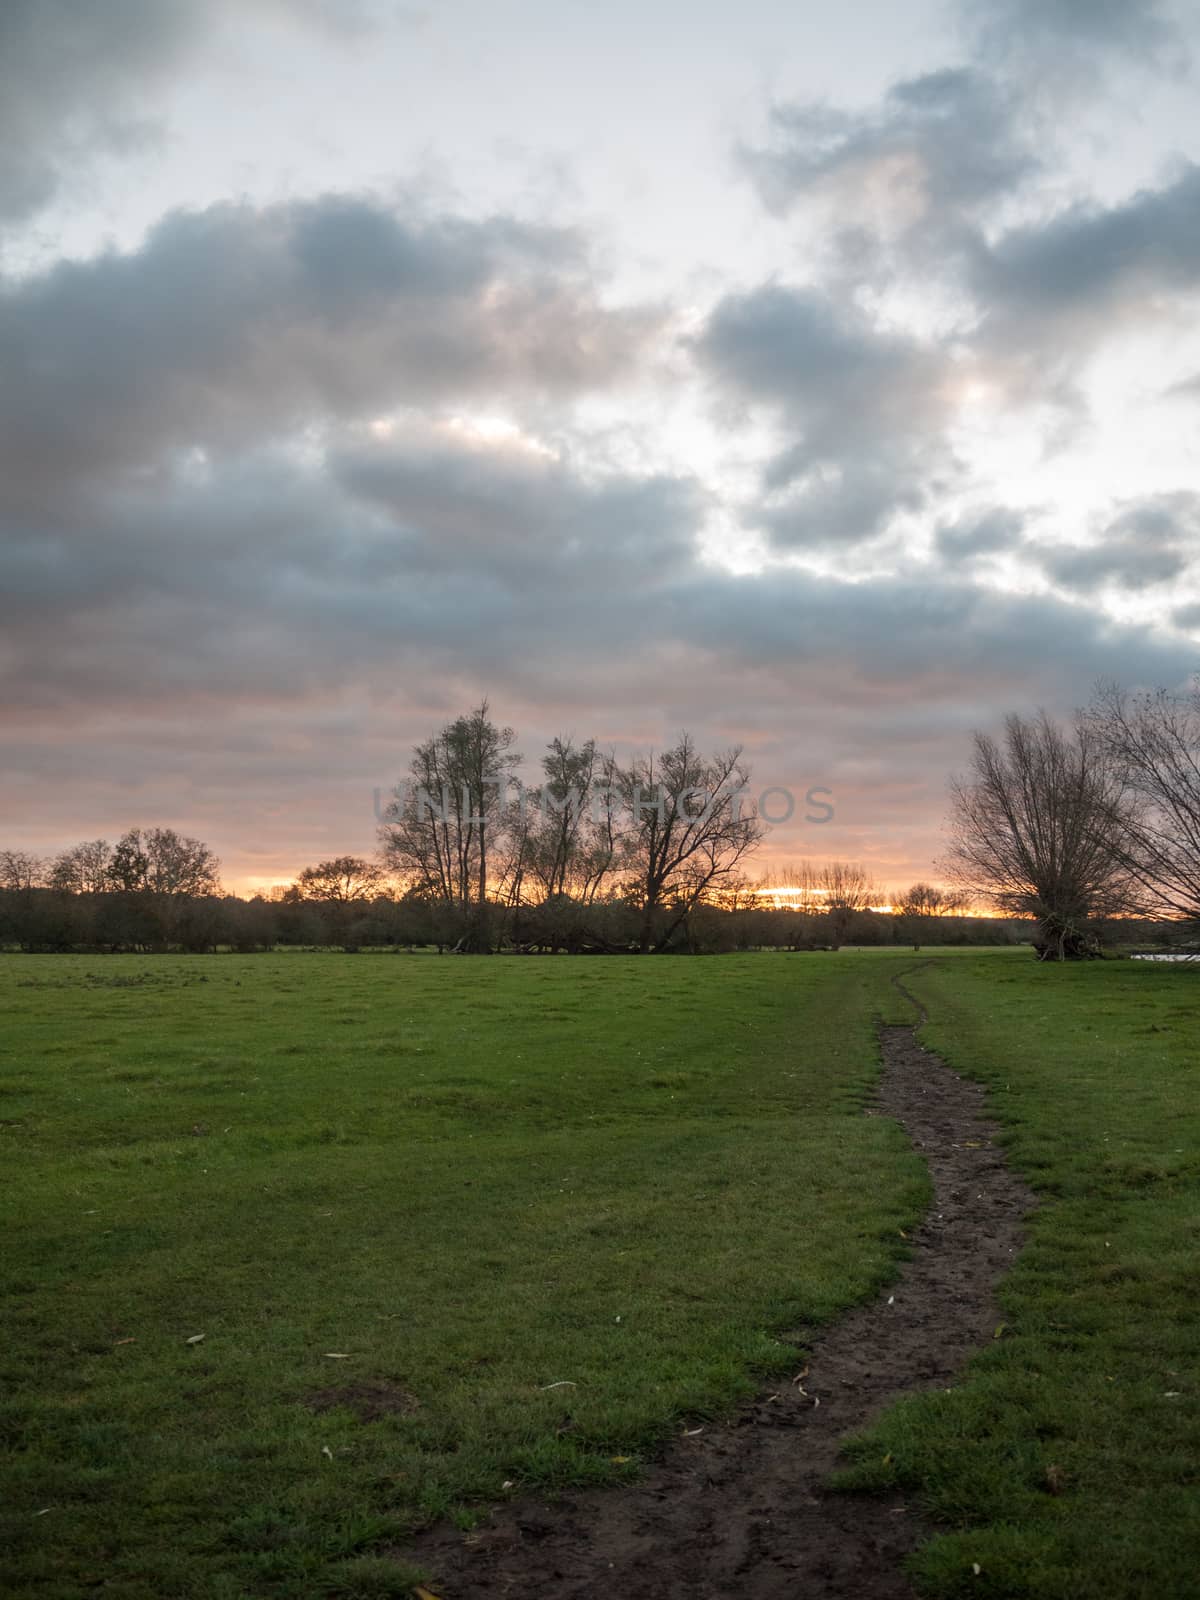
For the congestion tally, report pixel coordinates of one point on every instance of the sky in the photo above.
(823, 380)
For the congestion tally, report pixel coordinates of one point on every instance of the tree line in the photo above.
(348, 903)
(597, 856)
(658, 836)
(1073, 828)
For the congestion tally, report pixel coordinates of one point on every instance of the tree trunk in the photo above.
(1062, 940)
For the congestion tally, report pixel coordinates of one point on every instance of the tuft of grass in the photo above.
(1067, 1462)
(370, 1578)
(555, 1205)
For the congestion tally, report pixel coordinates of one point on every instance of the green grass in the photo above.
(476, 1179)
(1067, 1464)
(473, 1179)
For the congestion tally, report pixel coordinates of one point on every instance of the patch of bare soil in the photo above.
(741, 1509)
(369, 1400)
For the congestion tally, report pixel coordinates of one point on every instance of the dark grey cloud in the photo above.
(1147, 543)
(1087, 265)
(912, 195)
(1064, 37)
(1049, 295)
(940, 147)
(1126, 563)
(522, 514)
(249, 648)
(932, 637)
(273, 582)
(236, 324)
(278, 574)
(73, 78)
(862, 411)
(81, 80)
(1033, 302)
(1186, 389)
(981, 533)
(220, 589)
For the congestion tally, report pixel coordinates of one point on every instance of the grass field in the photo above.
(1069, 1461)
(438, 1186)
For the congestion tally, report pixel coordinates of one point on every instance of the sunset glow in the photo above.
(834, 414)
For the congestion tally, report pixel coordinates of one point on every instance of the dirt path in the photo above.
(740, 1509)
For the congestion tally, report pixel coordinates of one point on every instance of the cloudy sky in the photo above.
(820, 378)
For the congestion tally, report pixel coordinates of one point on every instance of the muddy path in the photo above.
(741, 1508)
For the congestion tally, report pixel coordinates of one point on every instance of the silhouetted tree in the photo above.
(920, 907)
(686, 831)
(564, 843)
(152, 876)
(845, 889)
(20, 871)
(1037, 826)
(346, 879)
(443, 834)
(84, 868)
(1154, 741)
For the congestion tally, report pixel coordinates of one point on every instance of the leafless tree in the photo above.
(1037, 828)
(844, 889)
(573, 843)
(920, 905)
(415, 836)
(735, 893)
(443, 833)
(925, 900)
(563, 850)
(20, 871)
(687, 831)
(796, 903)
(1154, 740)
(83, 868)
(795, 886)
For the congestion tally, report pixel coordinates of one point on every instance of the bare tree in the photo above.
(345, 879)
(83, 868)
(924, 900)
(443, 834)
(20, 871)
(844, 888)
(1037, 826)
(415, 836)
(1154, 739)
(573, 844)
(795, 907)
(484, 754)
(562, 851)
(795, 887)
(919, 907)
(686, 832)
